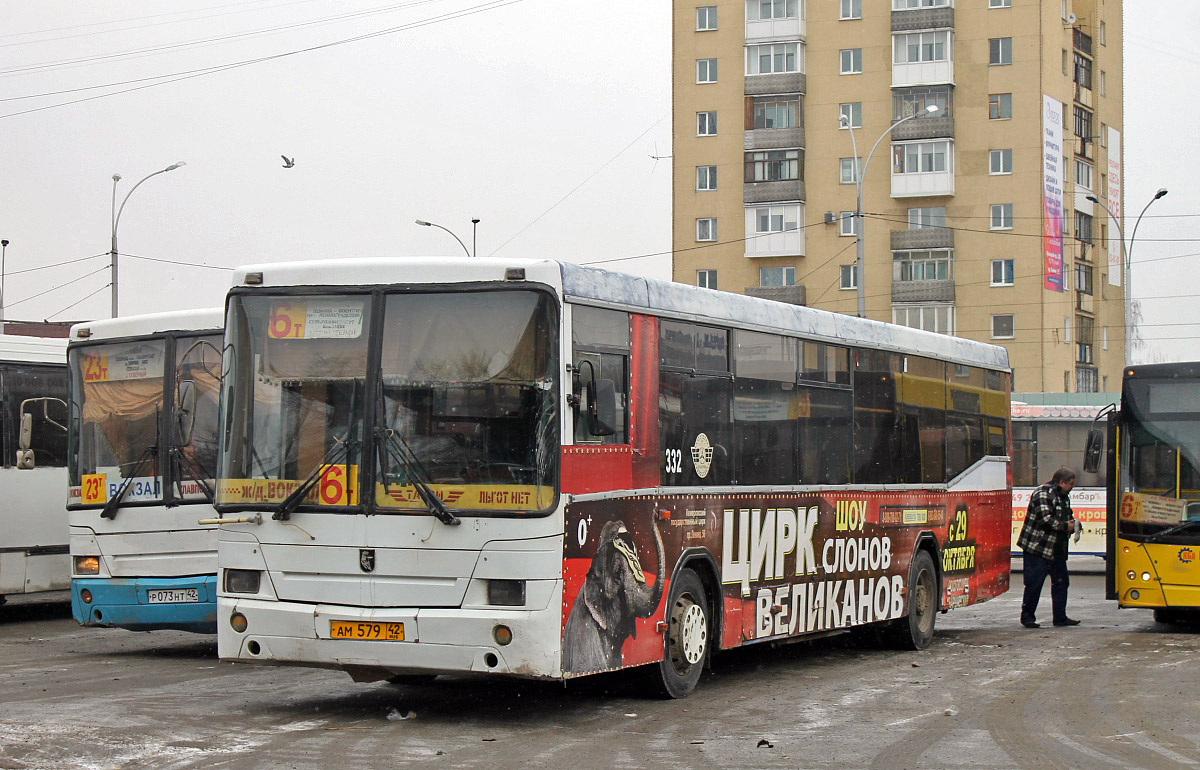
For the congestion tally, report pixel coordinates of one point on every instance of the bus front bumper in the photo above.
(147, 604)
(436, 641)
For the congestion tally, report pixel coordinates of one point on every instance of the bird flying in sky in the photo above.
(288, 162)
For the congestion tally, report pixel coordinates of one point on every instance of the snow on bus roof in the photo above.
(601, 287)
(204, 319)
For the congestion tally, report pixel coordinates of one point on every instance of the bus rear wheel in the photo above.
(688, 637)
(914, 631)
(1172, 616)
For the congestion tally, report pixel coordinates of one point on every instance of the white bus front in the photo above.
(388, 476)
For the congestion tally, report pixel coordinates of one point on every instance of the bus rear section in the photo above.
(143, 446)
(1154, 494)
(33, 521)
(535, 469)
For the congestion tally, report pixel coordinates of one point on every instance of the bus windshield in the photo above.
(117, 392)
(463, 404)
(1161, 454)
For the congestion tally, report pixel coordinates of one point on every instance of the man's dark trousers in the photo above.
(1036, 569)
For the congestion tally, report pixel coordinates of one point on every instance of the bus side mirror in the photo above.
(1093, 450)
(601, 407)
(25, 460)
(185, 412)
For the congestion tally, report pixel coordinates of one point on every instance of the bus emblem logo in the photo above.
(366, 559)
(1187, 555)
(702, 454)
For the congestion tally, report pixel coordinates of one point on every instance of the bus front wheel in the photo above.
(688, 637)
(914, 631)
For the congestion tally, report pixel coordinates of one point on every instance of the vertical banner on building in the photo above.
(1115, 268)
(1052, 192)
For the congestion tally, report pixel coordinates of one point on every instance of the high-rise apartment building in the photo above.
(982, 129)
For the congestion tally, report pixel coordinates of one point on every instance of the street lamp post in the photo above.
(3, 255)
(859, 174)
(1127, 263)
(423, 223)
(116, 217)
(475, 237)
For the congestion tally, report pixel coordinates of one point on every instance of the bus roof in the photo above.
(606, 288)
(151, 323)
(40, 350)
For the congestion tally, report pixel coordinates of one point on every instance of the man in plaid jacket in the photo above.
(1049, 522)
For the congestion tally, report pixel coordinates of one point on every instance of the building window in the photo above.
(849, 277)
(846, 223)
(1002, 216)
(1083, 71)
(930, 216)
(851, 9)
(1002, 326)
(999, 106)
(773, 58)
(1103, 85)
(852, 115)
(775, 219)
(774, 165)
(777, 276)
(706, 229)
(999, 50)
(1083, 227)
(766, 10)
(917, 47)
(706, 70)
(850, 167)
(933, 318)
(921, 157)
(905, 5)
(851, 61)
(776, 112)
(1103, 36)
(1083, 122)
(1085, 380)
(706, 18)
(923, 265)
(706, 177)
(914, 101)
(1083, 174)
(1084, 277)
(1000, 162)
(1002, 272)
(706, 123)
(706, 279)
(1104, 135)
(999, 3)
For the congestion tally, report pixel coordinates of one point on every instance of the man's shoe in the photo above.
(1066, 622)
(1032, 624)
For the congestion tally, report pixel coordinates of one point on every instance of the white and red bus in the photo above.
(539, 469)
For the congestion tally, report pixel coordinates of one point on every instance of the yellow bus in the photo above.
(1154, 491)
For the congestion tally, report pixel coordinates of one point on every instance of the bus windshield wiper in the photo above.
(398, 450)
(1173, 530)
(110, 508)
(336, 452)
(195, 471)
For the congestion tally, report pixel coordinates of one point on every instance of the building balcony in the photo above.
(922, 238)
(772, 192)
(925, 183)
(774, 138)
(793, 295)
(912, 19)
(929, 73)
(785, 83)
(925, 127)
(923, 291)
(775, 29)
(1083, 96)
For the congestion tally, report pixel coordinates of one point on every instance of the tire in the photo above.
(689, 631)
(914, 631)
(1173, 616)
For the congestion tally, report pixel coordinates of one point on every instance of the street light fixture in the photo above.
(423, 223)
(116, 217)
(1127, 260)
(859, 174)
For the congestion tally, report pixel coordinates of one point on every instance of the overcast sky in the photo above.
(538, 117)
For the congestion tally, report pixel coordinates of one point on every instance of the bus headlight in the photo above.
(506, 593)
(87, 565)
(242, 581)
(238, 622)
(502, 635)
(1131, 575)
(1146, 576)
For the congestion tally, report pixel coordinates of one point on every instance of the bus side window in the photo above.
(48, 438)
(600, 338)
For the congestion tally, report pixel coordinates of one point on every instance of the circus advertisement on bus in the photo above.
(1090, 506)
(783, 564)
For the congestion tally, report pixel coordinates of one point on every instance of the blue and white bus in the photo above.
(142, 463)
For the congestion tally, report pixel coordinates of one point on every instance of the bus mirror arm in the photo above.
(255, 519)
(1094, 448)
